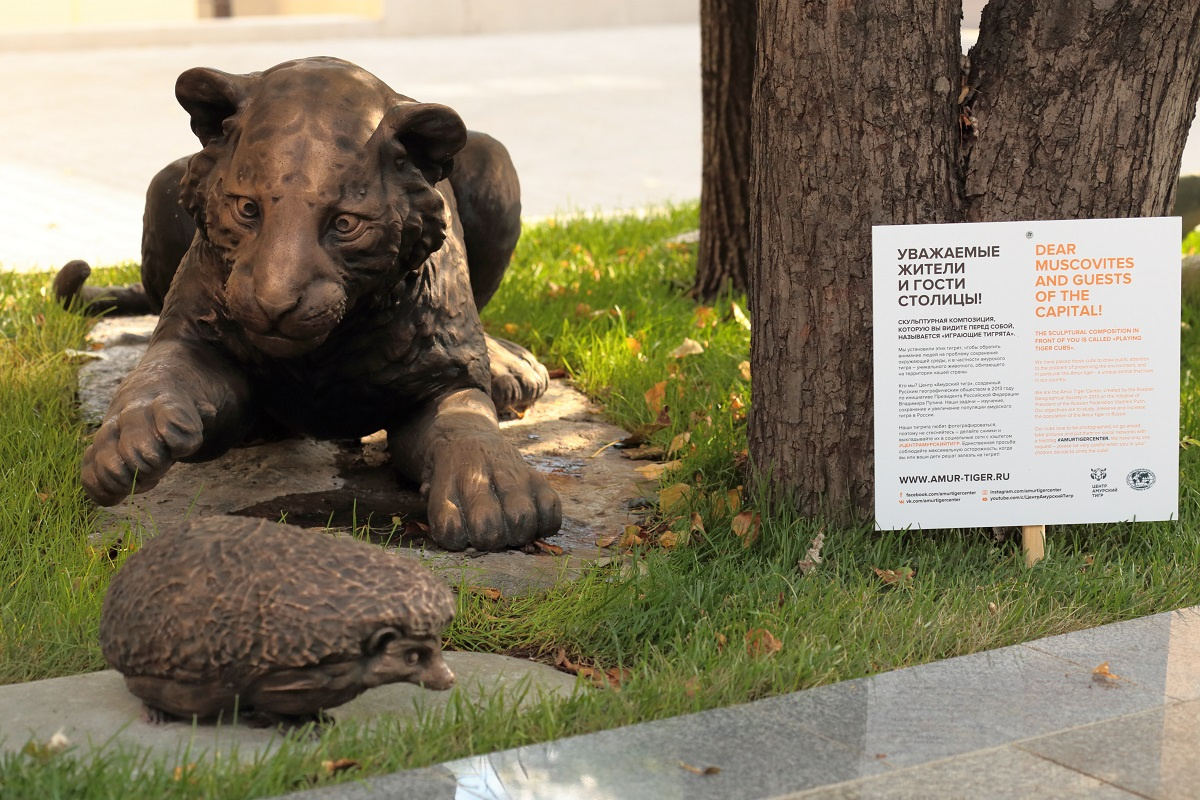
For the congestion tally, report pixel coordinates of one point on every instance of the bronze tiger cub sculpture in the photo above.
(345, 237)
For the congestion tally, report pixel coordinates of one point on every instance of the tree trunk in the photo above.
(1083, 107)
(727, 31)
(1073, 109)
(853, 125)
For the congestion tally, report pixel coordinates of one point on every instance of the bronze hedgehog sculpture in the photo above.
(275, 621)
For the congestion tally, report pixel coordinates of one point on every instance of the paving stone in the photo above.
(749, 751)
(948, 708)
(1013, 722)
(95, 710)
(1161, 652)
(1152, 754)
(1005, 773)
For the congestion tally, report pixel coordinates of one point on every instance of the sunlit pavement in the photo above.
(594, 119)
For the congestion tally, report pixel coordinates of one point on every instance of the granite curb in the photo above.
(1031, 720)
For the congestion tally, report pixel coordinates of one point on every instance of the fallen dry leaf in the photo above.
(616, 676)
(553, 290)
(511, 328)
(555, 374)
(678, 442)
(729, 502)
(746, 527)
(633, 344)
(689, 347)
(81, 356)
(721, 642)
(675, 495)
(993, 609)
(592, 674)
(486, 592)
(607, 540)
(813, 557)
(653, 472)
(761, 642)
(562, 662)
(339, 765)
(706, 316)
(58, 742)
(643, 452)
(601, 678)
(184, 773)
(546, 547)
(739, 316)
(632, 536)
(655, 395)
(710, 770)
(744, 369)
(895, 577)
(669, 540)
(642, 433)
(697, 524)
(1102, 676)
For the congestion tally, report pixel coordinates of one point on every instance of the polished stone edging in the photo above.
(959, 724)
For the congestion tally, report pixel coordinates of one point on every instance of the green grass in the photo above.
(49, 578)
(1191, 243)
(606, 300)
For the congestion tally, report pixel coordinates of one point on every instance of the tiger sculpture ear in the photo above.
(427, 134)
(210, 97)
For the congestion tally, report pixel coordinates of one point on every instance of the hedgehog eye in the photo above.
(347, 226)
(414, 656)
(247, 209)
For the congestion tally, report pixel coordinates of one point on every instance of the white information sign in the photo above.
(1026, 373)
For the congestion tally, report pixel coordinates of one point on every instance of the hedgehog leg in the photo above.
(166, 698)
(153, 715)
(255, 718)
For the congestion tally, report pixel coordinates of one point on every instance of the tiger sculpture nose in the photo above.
(275, 307)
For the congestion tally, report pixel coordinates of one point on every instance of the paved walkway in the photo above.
(1109, 713)
(594, 119)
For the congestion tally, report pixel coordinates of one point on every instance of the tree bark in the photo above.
(727, 32)
(1072, 109)
(1083, 107)
(853, 125)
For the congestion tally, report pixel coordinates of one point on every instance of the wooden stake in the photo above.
(1033, 542)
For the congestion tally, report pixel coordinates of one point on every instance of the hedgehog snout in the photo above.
(436, 675)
